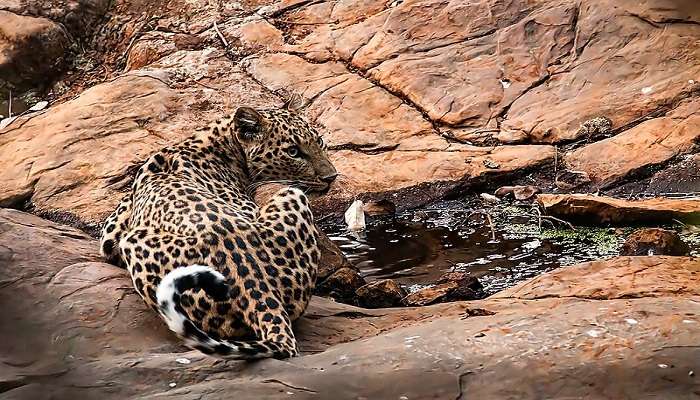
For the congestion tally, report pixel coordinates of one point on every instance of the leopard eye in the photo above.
(293, 151)
(320, 141)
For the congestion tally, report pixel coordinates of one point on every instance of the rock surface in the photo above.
(654, 241)
(418, 99)
(452, 286)
(380, 294)
(341, 285)
(72, 327)
(31, 50)
(601, 210)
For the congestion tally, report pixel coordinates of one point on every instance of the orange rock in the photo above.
(600, 209)
(654, 241)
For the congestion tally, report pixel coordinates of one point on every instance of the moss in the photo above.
(605, 241)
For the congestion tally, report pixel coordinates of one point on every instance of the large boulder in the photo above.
(32, 51)
(654, 241)
(590, 209)
(73, 327)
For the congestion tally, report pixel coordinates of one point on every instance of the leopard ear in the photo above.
(294, 103)
(248, 124)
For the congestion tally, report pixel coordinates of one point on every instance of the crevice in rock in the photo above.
(66, 218)
(293, 7)
(664, 21)
(503, 114)
(6, 386)
(368, 148)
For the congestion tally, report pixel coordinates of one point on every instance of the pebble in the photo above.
(183, 361)
(172, 384)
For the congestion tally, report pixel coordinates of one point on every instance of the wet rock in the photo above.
(341, 285)
(32, 51)
(332, 258)
(601, 210)
(379, 207)
(521, 193)
(453, 286)
(380, 294)
(654, 241)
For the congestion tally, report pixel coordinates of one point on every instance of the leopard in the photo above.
(228, 276)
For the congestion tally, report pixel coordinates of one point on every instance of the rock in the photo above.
(380, 294)
(341, 285)
(453, 286)
(602, 210)
(78, 156)
(32, 51)
(650, 143)
(681, 177)
(521, 193)
(77, 323)
(654, 241)
(379, 207)
(77, 17)
(71, 157)
(332, 258)
(616, 278)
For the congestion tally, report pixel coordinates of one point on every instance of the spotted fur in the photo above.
(227, 275)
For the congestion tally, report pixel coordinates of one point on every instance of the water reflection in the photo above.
(417, 247)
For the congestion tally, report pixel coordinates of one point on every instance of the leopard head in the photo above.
(280, 146)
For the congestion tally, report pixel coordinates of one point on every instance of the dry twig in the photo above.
(221, 36)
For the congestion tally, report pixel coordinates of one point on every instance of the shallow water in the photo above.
(416, 247)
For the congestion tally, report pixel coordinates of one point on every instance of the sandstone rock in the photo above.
(647, 144)
(76, 157)
(654, 241)
(601, 210)
(77, 324)
(340, 285)
(553, 111)
(31, 51)
(617, 278)
(519, 192)
(78, 17)
(405, 171)
(453, 286)
(66, 158)
(332, 258)
(380, 294)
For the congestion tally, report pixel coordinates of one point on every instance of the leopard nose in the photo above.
(329, 178)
